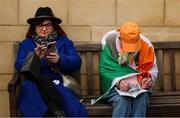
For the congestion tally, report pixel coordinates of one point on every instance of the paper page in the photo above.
(123, 77)
(131, 94)
(135, 89)
(133, 83)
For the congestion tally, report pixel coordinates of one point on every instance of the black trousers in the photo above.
(50, 97)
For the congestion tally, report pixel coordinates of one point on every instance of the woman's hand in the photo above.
(147, 83)
(40, 50)
(123, 85)
(53, 57)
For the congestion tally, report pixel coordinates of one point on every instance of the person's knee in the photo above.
(146, 94)
(142, 100)
(144, 97)
(122, 101)
(121, 106)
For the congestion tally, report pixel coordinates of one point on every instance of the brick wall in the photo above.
(85, 21)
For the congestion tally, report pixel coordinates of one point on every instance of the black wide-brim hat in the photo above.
(44, 13)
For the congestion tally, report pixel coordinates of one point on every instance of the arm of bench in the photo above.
(13, 82)
(13, 89)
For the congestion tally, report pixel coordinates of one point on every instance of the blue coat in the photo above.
(30, 101)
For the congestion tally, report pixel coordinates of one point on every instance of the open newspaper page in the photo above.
(129, 77)
(135, 89)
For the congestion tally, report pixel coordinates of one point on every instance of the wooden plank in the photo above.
(90, 75)
(163, 111)
(99, 110)
(160, 63)
(167, 45)
(97, 47)
(172, 69)
(88, 47)
(13, 106)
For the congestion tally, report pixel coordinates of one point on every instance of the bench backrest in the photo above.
(166, 55)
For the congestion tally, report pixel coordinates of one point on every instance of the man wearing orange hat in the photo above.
(127, 66)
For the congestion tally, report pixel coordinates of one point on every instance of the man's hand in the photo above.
(147, 83)
(123, 85)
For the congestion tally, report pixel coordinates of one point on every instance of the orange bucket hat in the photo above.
(130, 38)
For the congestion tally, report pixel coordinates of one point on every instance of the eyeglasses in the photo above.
(47, 25)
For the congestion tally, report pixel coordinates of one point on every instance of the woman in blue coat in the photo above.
(34, 100)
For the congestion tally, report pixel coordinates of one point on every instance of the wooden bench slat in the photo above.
(88, 47)
(166, 45)
(89, 58)
(172, 69)
(160, 63)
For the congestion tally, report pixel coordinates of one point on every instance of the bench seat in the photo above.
(161, 104)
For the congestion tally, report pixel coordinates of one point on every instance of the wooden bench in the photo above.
(165, 100)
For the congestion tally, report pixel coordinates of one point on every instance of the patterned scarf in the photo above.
(45, 40)
(125, 58)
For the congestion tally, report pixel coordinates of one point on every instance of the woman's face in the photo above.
(44, 29)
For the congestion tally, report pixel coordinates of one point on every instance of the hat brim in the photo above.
(131, 47)
(54, 19)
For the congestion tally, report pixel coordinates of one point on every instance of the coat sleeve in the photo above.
(70, 60)
(21, 55)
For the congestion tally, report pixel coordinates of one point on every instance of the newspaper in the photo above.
(135, 88)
